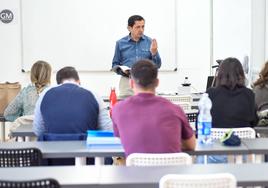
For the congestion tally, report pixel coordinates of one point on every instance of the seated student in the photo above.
(68, 109)
(24, 103)
(260, 88)
(233, 105)
(147, 123)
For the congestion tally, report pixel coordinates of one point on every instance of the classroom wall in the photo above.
(195, 46)
(258, 37)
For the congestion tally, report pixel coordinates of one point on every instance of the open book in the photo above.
(122, 70)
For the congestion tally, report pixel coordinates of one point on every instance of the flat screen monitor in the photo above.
(210, 81)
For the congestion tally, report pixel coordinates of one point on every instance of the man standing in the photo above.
(132, 48)
(147, 123)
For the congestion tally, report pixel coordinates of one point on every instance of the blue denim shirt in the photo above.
(127, 51)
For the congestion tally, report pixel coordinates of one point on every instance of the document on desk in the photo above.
(103, 142)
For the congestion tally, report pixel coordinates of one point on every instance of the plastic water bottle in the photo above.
(204, 121)
(186, 82)
(113, 99)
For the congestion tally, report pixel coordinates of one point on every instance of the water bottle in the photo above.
(186, 82)
(204, 120)
(113, 99)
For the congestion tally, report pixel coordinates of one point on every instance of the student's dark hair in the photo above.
(144, 73)
(230, 74)
(263, 76)
(132, 19)
(66, 73)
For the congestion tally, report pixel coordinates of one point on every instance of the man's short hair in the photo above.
(144, 73)
(133, 19)
(66, 73)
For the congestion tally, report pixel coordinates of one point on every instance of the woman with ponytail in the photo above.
(24, 103)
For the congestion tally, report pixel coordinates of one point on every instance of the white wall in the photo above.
(258, 37)
(231, 28)
(10, 45)
(194, 43)
(67, 34)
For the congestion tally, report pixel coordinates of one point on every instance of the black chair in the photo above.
(42, 183)
(192, 117)
(20, 157)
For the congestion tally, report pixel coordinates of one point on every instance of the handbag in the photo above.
(8, 91)
(230, 139)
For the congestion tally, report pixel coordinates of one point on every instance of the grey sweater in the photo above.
(261, 97)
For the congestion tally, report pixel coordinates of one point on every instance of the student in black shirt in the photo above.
(233, 105)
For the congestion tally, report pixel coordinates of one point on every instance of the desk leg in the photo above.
(259, 158)
(99, 161)
(205, 159)
(3, 131)
(20, 139)
(80, 161)
(27, 138)
(239, 159)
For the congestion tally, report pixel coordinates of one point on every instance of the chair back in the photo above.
(177, 99)
(20, 157)
(184, 101)
(158, 159)
(185, 105)
(42, 183)
(62, 137)
(192, 116)
(221, 180)
(245, 132)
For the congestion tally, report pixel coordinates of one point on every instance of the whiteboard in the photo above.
(83, 33)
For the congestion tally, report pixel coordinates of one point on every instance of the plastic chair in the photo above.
(245, 132)
(20, 157)
(192, 116)
(179, 98)
(158, 159)
(184, 101)
(185, 105)
(221, 180)
(42, 183)
(62, 137)
(192, 119)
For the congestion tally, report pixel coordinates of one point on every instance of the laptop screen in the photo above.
(209, 82)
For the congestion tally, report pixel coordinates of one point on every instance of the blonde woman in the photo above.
(24, 103)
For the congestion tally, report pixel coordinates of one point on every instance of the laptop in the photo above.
(209, 82)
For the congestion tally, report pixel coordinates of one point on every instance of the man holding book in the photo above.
(132, 48)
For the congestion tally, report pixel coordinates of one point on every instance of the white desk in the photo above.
(130, 177)
(263, 131)
(24, 132)
(79, 150)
